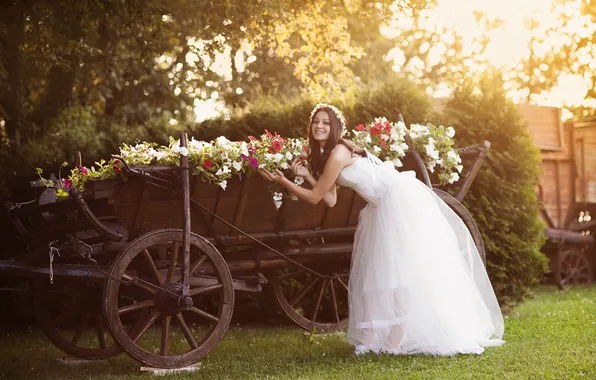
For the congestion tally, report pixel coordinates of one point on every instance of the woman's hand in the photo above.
(299, 169)
(274, 177)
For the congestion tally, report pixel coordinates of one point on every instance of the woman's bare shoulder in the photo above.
(340, 152)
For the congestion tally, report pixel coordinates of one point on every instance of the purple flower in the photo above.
(254, 162)
(243, 157)
(251, 149)
(66, 183)
(83, 170)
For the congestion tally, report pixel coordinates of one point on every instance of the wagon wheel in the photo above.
(575, 267)
(69, 313)
(148, 289)
(314, 302)
(461, 211)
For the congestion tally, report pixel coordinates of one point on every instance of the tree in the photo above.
(566, 47)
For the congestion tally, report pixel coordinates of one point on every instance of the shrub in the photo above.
(502, 199)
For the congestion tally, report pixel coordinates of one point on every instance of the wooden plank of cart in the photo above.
(168, 281)
(567, 191)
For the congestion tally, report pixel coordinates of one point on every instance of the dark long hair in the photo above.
(317, 158)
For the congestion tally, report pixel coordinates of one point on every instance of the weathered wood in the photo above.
(199, 342)
(565, 236)
(73, 271)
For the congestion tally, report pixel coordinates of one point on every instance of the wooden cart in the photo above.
(162, 265)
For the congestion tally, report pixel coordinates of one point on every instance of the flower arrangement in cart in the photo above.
(219, 160)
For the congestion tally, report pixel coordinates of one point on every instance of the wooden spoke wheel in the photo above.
(575, 267)
(311, 301)
(461, 211)
(146, 288)
(69, 313)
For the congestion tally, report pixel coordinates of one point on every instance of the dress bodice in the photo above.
(370, 177)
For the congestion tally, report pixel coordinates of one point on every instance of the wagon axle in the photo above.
(170, 300)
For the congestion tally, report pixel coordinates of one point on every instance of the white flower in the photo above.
(367, 139)
(450, 132)
(221, 140)
(289, 155)
(397, 148)
(401, 126)
(453, 177)
(223, 184)
(376, 149)
(244, 148)
(277, 196)
(184, 151)
(454, 157)
(299, 180)
(237, 165)
(397, 163)
(430, 150)
(223, 170)
(431, 166)
(278, 157)
(459, 168)
(284, 165)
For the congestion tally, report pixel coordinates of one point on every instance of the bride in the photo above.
(417, 283)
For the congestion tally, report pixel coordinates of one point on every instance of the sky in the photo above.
(509, 43)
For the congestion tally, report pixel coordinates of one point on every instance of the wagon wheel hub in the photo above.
(170, 300)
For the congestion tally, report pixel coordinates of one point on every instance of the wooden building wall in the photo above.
(585, 156)
(557, 179)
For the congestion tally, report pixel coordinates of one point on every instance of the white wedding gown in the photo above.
(417, 283)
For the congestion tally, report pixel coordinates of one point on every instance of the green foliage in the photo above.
(548, 337)
(75, 129)
(502, 199)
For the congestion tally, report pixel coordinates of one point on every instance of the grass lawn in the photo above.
(552, 336)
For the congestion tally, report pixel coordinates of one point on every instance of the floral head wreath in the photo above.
(337, 113)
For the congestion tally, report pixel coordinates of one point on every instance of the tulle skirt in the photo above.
(417, 283)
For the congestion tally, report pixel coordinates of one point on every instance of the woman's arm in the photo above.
(336, 162)
(330, 198)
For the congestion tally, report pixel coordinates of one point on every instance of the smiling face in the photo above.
(320, 127)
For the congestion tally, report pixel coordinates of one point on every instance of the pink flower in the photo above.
(254, 162)
(66, 183)
(83, 170)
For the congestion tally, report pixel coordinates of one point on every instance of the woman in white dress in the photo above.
(417, 283)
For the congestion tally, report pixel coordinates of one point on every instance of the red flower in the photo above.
(66, 183)
(384, 144)
(207, 163)
(306, 149)
(387, 127)
(83, 170)
(252, 138)
(376, 130)
(268, 133)
(276, 144)
(360, 127)
(116, 165)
